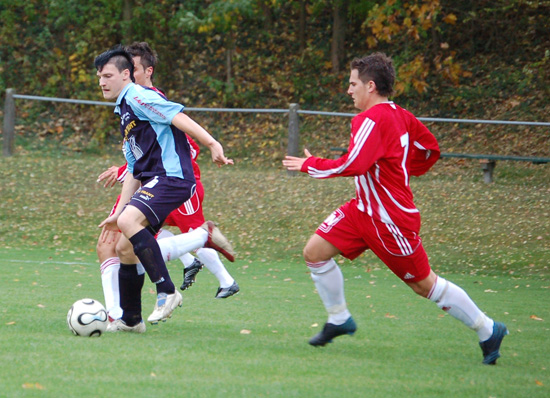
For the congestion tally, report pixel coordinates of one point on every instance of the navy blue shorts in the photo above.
(159, 195)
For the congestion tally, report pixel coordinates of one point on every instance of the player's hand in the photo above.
(293, 163)
(110, 223)
(218, 157)
(109, 236)
(110, 176)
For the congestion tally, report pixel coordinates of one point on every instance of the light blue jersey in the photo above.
(152, 146)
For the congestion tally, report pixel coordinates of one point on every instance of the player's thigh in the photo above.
(410, 268)
(342, 229)
(158, 197)
(131, 221)
(319, 249)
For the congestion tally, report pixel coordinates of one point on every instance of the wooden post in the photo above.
(293, 133)
(9, 122)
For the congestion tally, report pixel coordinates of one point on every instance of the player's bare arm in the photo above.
(189, 126)
(109, 176)
(293, 163)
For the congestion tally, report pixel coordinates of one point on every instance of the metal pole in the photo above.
(9, 122)
(293, 133)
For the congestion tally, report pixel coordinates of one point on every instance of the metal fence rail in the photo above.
(293, 124)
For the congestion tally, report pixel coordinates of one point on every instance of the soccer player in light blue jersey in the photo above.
(160, 178)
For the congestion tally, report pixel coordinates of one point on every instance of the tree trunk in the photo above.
(268, 15)
(302, 26)
(127, 18)
(338, 34)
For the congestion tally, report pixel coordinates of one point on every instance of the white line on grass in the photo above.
(47, 262)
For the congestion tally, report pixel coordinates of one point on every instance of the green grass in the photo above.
(493, 240)
(405, 346)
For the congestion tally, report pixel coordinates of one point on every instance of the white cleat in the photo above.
(165, 305)
(118, 325)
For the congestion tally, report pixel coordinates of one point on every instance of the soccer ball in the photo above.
(87, 317)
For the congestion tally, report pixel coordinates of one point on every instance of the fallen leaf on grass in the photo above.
(245, 331)
(538, 383)
(11, 323)
(388, 315)
(315, 325)
(535, 318)
(33, 386)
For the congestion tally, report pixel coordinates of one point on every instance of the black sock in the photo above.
(130, 285)
(148, 251)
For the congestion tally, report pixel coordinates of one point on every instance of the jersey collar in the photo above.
(121, 96)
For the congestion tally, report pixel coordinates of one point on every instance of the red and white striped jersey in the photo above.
(388, 144)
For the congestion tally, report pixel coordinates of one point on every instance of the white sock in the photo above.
(329, 282)
(177, 245)
(454, 300)
(211, 259)
(164, 233)
(187, 259)
(109, 280)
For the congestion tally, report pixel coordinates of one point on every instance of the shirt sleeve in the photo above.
(122, 171)
(424, 151)
(364, 150)
(150, 105)
(130, 159)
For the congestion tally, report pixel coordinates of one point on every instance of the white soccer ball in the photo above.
(87, 317)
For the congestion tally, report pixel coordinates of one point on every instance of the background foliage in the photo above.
(466, 59)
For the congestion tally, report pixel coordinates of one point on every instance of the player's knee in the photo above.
(421, 291)
(124, 250)
(311, 255)
(318, 249)
(424, 287)
(105, 250)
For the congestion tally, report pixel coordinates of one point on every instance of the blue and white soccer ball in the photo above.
(87, 317)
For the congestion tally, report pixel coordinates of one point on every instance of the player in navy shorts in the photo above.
(159, 179)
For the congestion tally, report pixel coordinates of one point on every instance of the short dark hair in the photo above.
(377, 67)
(117, 56)
(148, 57)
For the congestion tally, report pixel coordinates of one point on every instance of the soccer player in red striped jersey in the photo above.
(388, 145)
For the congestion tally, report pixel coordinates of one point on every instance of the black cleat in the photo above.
(190, 273)
(491, 346)
(331, 331)
(227, 291)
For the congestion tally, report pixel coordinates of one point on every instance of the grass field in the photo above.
(493, 240)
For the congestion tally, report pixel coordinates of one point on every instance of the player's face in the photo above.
(142, 74)
(112, 81)
(359, 91)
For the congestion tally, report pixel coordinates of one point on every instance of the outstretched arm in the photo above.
(294, 163)
(189, 126)
(110, 176)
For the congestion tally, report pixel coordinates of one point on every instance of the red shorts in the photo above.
(352, 232)
(189, 215)
(114, 206)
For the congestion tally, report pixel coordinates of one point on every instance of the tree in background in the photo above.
(416, 28)
(221, 19)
